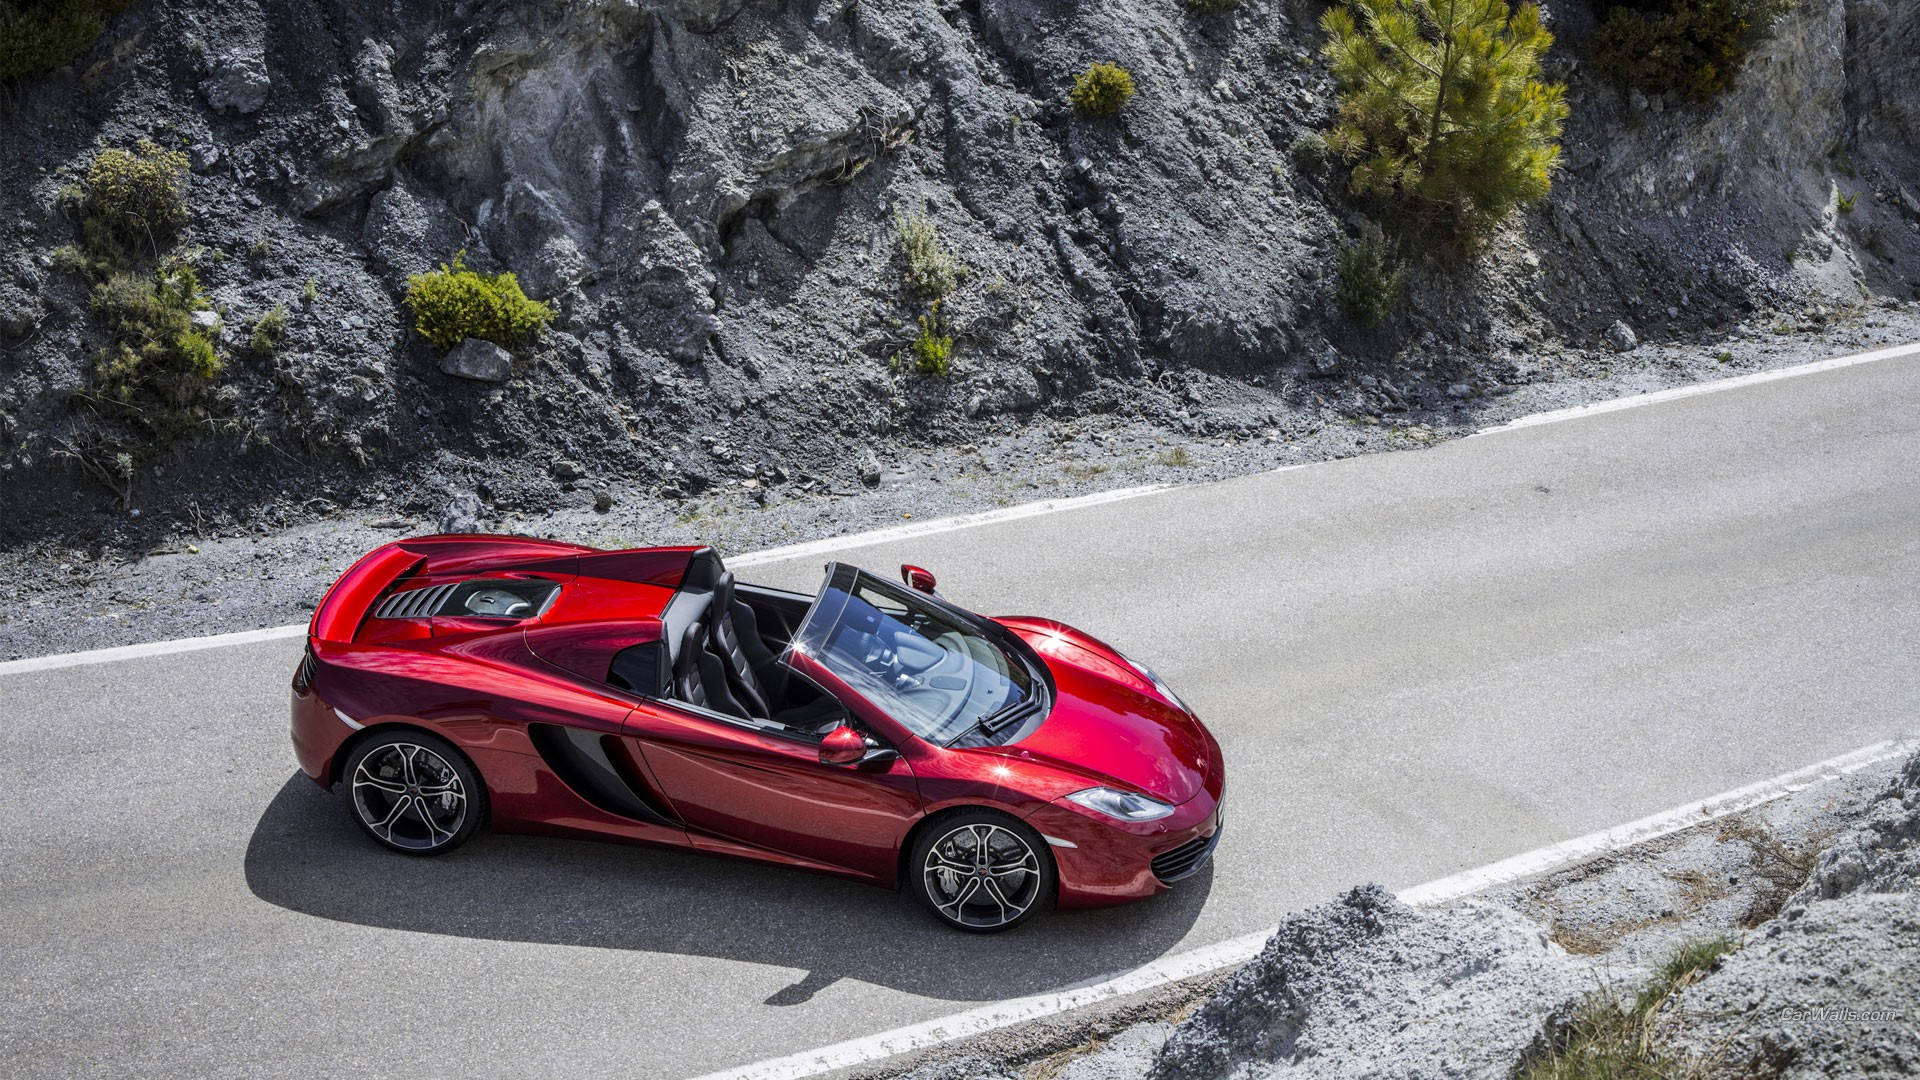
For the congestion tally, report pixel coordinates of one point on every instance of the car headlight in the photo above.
(1125, 805)
(1159, 685)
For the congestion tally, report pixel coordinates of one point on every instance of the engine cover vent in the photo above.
(416, 603)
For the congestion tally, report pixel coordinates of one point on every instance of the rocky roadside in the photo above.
(271, 568)
(1808, 908)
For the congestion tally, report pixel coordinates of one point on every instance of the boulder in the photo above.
(238, 82)
(1622, 337)
(482, 361)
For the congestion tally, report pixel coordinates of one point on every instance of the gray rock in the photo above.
(565, 470)
(1637, 100)
(238, 82)
(479, 360)
(409, 231)
(206, 320)
(463, 513)
(1829, 989)
(1909, 202)
(602, 501)
(1463, 990)
(1622, 337)
(870, 471)
(1460, 391)
(1881, 853)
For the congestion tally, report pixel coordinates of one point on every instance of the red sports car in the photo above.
(872, 731)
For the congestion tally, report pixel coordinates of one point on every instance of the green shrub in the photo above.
(1441, 103)
(132, 201)
(1690, 48)
(454, 303)
(1847, 203)
(1371, 278)
(40, 35)
(156, 361)
(269, 330)
(933, 270)
(932, 349)
(1101, 89)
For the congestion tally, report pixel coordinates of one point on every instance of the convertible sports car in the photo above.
(872, 731)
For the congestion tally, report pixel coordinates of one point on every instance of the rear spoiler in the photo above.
(340, 613)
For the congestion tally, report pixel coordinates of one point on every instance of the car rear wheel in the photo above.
(981, 871)
(414, 792)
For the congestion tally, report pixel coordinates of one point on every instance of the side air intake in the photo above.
(581, 760)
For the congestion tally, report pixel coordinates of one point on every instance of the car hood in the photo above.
(1108, 724)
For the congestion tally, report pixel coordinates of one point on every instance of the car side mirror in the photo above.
(917, 577)
(842, 746)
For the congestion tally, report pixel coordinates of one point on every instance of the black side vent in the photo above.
(581, 761)
(1171, 866)
(415, 603)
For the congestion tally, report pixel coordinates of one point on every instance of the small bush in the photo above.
(454, 303)
(931, 349)
(1609, 1038)
(269, 330)
(1101, 89)
(1847, 203)
(933, 270)
(133, 201)
(1371, 278)
(1692, 49)
(1443, 105)
(157, 362)
(40, 35)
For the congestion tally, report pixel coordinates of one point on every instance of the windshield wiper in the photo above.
(1005, 715)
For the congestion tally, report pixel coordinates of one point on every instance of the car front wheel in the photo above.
(414, 792)
(981, 871)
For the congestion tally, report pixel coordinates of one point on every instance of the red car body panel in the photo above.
(496, 688)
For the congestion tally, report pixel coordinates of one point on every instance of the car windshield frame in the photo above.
(969, 706)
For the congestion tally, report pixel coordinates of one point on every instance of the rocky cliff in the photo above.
(705, 190)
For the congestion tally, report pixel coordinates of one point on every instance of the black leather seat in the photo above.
(753, 673)
(699, 678)
(731, 646)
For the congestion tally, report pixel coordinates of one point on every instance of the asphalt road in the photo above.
(1417, 662)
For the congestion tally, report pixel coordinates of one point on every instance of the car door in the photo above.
(744, 789)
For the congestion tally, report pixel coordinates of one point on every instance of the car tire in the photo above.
(414, 792)
(981, 871)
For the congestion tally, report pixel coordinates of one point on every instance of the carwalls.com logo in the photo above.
(1842, 1014)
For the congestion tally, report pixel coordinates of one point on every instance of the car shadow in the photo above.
(307, 856)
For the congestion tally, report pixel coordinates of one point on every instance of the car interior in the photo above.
(725, 642)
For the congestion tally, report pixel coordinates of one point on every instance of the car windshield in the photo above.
(928, 666)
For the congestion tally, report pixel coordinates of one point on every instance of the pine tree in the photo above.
(1441, 102)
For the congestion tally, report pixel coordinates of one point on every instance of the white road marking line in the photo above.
(1694, 389)
(935, 526)
(149, 648)
(1171, 969)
